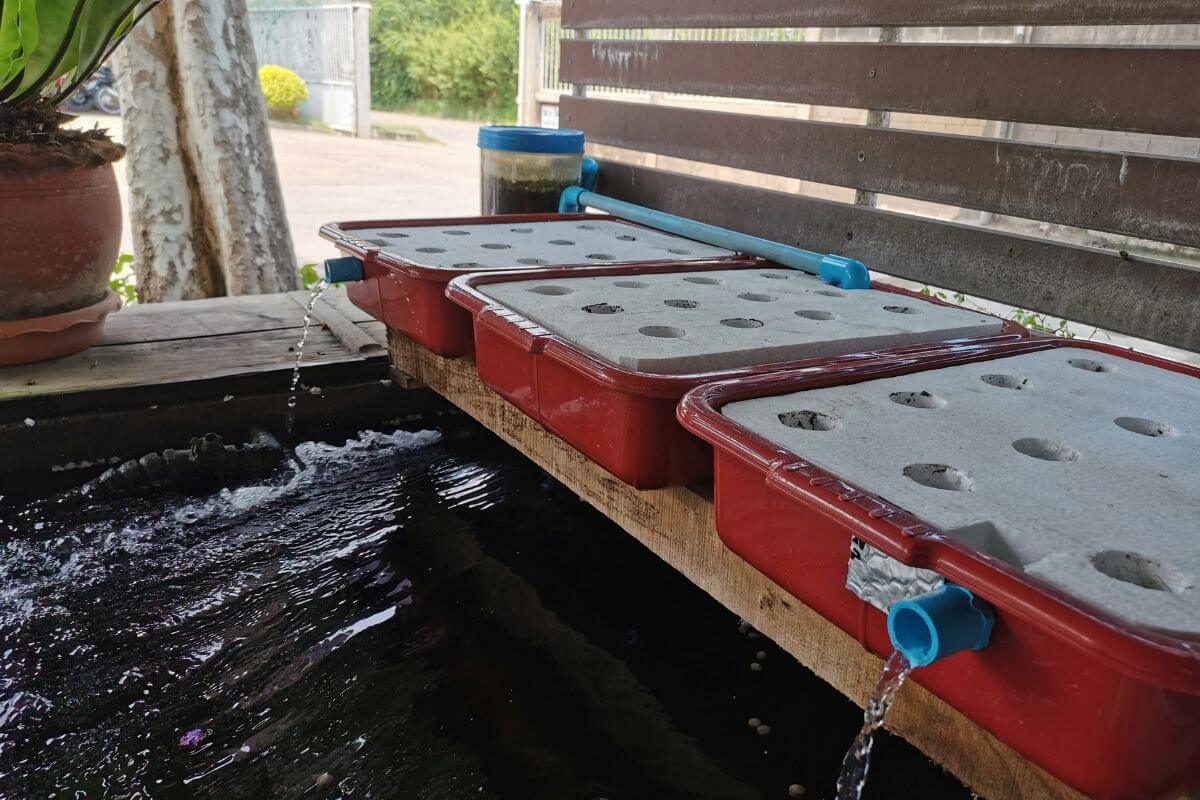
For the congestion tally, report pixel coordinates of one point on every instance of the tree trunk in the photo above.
(205, 201)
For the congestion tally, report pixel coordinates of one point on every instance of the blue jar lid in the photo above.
(519, 139)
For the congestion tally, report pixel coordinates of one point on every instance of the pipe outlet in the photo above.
(939, 624)
(343, 270)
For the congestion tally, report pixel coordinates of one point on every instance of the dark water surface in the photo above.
(412, 616)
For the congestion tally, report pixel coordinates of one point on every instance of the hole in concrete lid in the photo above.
(830, 293)
(467, 265)
(521, 230)
(496, 246)
(601, 256)
(552, 291)
(817, 315)
(754, 297)
(1018, 550)
(1146, 427)
(561, 241)
(777, 276)
(1088, 365)
(810, 420)
(378, 242)
(700, 279)
(940, 476)
(603, 308)
(1140, 571)
(586, 227)
(741, 322)
(625, 237)
(682, 303)
(679, 251)
(457, 233)
(917, 399)
(395, 235)
(1045, 449)
(1006, 381)
(662, 332)
(630, 284)
(431, 249)
(532, 262)
(901, 309)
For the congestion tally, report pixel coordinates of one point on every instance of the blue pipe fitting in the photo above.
(591, 171)
(845, 273)
(842, 272)
(343, 270)
(939, 624)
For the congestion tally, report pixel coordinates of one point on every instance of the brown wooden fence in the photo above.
(1144, 89)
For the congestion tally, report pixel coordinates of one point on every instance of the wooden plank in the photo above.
(677, 525)
(1085, 87)
(108, 367)
(348, 333)
(1144, 196)
(217, 316)
(848, 13)
(190, 319)
(1142, 297)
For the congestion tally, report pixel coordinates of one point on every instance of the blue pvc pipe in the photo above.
(845, 273)
(343, 270)
(939, 624)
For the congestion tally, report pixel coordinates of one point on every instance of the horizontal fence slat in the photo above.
(1140, 89)
(1149, 197)
(857, 13)
(1141, 297)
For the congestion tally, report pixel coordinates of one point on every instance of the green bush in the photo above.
(455, 54)
(283, 89)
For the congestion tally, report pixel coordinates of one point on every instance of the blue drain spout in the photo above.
(845, 273)
(343, 270)
(939, 624)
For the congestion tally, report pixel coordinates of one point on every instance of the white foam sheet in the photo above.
(534, 244)
(1088, 480)
(695, 322)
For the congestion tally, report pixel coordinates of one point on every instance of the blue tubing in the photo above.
(940, 624)
(343, 270)
(845, 273)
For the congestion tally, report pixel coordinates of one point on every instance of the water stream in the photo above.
(857, 763)
(313, 298)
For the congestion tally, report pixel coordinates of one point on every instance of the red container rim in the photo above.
(1148, 656)
(533, 338)
(342, 234)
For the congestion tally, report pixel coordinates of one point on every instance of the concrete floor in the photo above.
(332, 178)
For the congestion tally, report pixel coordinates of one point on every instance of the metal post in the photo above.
(360, 46)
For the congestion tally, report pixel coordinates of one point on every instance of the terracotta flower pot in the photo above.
(62, 237)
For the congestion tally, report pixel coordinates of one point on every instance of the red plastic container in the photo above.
(411, 298)
(1111, 709)
(622, 419)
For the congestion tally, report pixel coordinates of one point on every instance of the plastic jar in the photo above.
(524, 170)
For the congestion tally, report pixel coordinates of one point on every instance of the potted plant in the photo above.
(59, 206)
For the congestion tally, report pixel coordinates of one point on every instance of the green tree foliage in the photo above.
(461, 54)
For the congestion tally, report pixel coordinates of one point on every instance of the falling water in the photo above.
(317, 291)
(857, 763)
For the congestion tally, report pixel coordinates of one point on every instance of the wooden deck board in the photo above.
(160, 363)
(677, 525)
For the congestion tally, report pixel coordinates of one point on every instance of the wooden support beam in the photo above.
(677, 525)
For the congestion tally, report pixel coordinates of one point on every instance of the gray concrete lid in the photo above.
(1081, 469)
(533, 244)
(697, 322)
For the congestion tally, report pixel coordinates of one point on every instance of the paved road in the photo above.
(330, 178)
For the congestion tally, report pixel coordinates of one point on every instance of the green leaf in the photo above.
(56, 52)
(18, 38)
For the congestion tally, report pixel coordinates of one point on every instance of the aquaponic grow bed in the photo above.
(602, 360)
(1059, 481)
(407, 263)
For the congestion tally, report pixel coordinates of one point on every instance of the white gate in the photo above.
(326, 44)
